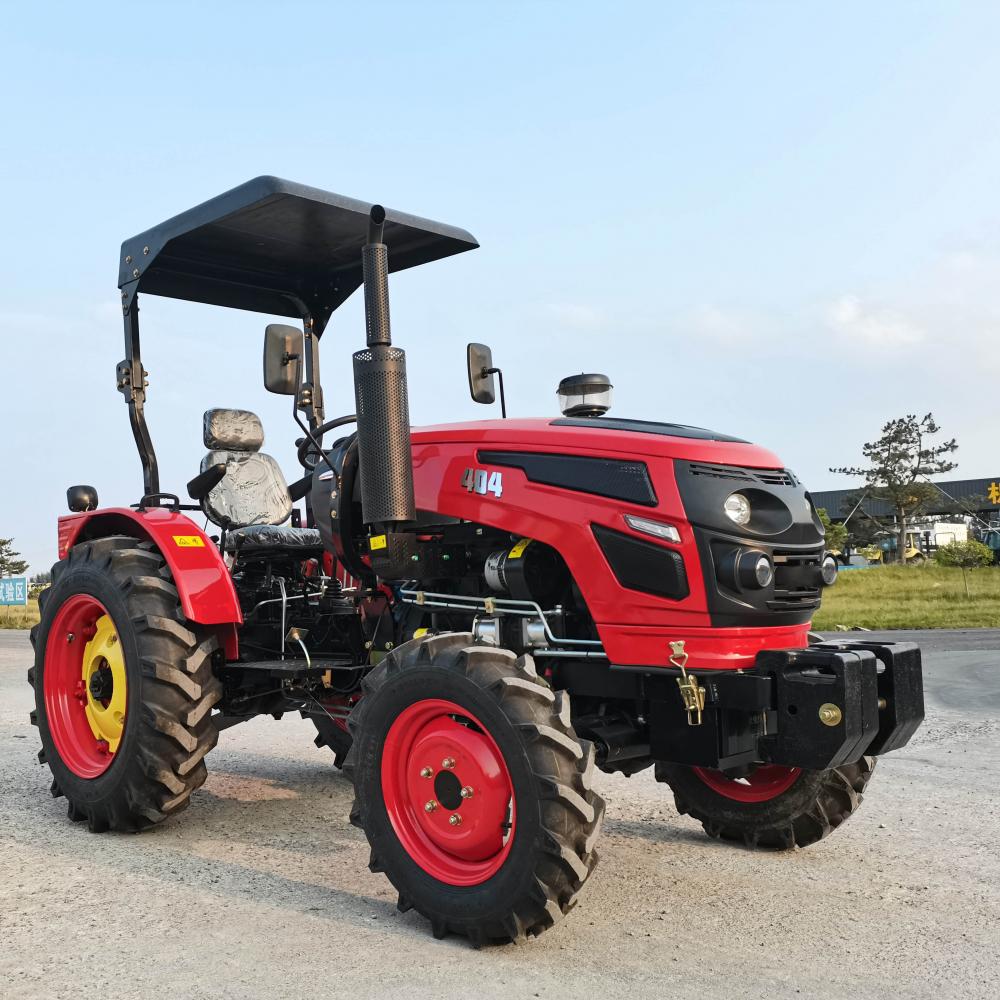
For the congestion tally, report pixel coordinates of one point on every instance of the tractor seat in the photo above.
(264, 536)
(251, 498)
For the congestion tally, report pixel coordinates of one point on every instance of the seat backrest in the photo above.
(253, 490)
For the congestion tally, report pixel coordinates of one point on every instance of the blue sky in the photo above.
(778, 220)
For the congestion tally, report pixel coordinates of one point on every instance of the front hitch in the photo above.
(814, 708)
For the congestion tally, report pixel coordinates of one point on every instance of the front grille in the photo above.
(780, 477)
(796, 581)
(769, 477)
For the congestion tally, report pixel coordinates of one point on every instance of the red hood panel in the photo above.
(543, 435)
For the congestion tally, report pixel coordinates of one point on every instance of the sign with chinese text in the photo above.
(13, 591)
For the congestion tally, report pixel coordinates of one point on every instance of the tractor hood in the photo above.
(604, 435)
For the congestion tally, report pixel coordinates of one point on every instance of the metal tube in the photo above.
(376, 218)
(501, 605)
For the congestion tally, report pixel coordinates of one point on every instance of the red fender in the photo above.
(203, 581)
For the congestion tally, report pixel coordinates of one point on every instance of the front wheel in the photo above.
(772, 806)
(124, 687)
(473, 789)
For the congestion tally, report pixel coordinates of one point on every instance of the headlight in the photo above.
(763, 572)
(655, 528)
(828, 571)
(737, 508)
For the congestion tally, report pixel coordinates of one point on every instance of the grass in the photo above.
(930, 596)
(19, 617)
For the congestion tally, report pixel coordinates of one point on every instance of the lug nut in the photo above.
(425, 772)
(454, 819)
(448, 763)
(466, 792)
(430, 806)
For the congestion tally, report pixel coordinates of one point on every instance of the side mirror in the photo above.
(282, 359)
(81, 498)
(482, 384)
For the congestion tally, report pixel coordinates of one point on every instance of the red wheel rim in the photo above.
(68, 647)
(448, 793)
(763, 784)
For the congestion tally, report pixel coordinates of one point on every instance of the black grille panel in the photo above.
(643, 566)
(796, 581)
(769, 477)
(604, 477)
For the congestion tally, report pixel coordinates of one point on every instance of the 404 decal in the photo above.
(483, 481)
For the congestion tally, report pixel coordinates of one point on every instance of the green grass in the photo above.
(911, 597)
(19, 617)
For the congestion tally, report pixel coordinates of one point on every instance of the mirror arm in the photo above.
(307, 430)
(503, 399)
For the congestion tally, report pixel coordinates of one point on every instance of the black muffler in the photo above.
(385, 463)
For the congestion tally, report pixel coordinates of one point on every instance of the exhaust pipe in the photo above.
(385, 462)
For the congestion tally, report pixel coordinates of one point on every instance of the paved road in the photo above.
(260, 889)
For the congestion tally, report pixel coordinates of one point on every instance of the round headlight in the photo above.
(737, 508)
(828, 571)
(763, 572)
(747, 569)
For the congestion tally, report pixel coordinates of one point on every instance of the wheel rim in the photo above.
(85, 686)
(766, 782)
(448, 793)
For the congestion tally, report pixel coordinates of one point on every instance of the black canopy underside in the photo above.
(273, 246)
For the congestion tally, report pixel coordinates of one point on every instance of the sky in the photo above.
(775, 219)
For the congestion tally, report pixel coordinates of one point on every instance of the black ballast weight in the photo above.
(814, 708)
(900, 690)
(810, 684)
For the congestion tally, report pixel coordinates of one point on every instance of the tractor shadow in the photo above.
(661, 830)
(269, 828)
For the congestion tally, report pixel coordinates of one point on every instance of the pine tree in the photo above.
(899, 462)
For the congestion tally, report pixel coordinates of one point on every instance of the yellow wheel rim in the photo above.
(105, 683)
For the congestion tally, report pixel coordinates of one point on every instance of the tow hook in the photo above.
(692, 693)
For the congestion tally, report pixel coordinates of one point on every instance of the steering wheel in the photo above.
(306, 454)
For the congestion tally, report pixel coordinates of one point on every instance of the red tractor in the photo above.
(475, 616)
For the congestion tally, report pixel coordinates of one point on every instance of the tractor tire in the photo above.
(127, 747)
(330, 733)
(473, 789)
(786, 808)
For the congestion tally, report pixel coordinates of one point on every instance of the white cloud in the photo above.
(874, 327)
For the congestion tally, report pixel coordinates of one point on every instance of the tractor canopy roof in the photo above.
(273, 246)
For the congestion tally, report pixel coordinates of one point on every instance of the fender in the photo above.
(203, 581)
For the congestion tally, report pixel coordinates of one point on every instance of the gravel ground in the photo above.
(261, 888)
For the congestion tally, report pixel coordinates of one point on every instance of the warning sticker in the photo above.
(189, 541)
(377, 542)
(518, 550)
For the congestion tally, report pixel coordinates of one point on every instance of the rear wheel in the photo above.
(473, 789)
(332, 733)
(124, 687)
(772, 806)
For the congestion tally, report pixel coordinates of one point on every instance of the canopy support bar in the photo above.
(131, 377)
